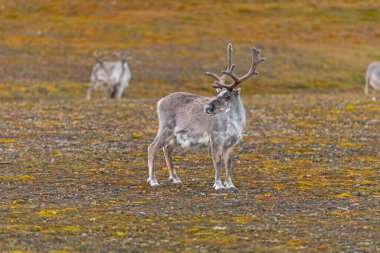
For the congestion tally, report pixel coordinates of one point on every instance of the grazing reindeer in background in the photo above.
(372, 77)
(113, 76)
(192, 121)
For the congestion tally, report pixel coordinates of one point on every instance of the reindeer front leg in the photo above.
(217, 160)
(228, 164)
(91, 89)
(173, 177)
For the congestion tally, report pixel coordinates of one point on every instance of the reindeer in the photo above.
(372, 77)
(192, 121)
(113, 76)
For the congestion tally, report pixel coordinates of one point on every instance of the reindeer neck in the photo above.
(237, 113)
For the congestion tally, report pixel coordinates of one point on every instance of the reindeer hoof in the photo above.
(230, 186)
(175, 180)
(231, 189)
(218, 186)
(153, 182)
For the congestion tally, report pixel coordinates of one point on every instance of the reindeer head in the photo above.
(223, 101)
(227, 94)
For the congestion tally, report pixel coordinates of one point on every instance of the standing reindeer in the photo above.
(372, 77)
(113, 76)
(192, 121)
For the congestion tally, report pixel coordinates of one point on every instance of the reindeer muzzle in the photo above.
(209, 109)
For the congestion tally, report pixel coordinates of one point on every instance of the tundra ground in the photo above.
(73, 173)
(73, 178)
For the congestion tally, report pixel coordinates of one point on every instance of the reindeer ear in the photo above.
(218, 90)
(237, 91)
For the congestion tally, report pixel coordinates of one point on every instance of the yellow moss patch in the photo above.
(304, 124)
(350, 107)
(20, 228)
(151, 131)
(278, 187)
(120, 234)
(48, 213)
(51, 88)
(366, 182)
(8, 140)
(55, 153)
(298, 151)
(206, 232)
(343, 195)
(348, 145)
(26, 178)
(192, 229)
(337, 214)
(137, 135)
(304, 185)
(294, 242)
(244, 219)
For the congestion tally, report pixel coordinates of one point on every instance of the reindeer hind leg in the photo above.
(158, 143)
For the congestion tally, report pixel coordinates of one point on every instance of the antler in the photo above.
(221, 81)
(121, 56)
(98, 57)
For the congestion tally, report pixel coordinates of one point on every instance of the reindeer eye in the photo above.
(227, 97)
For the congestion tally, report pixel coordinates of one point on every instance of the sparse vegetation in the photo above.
(311, 46)
(73, 172)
